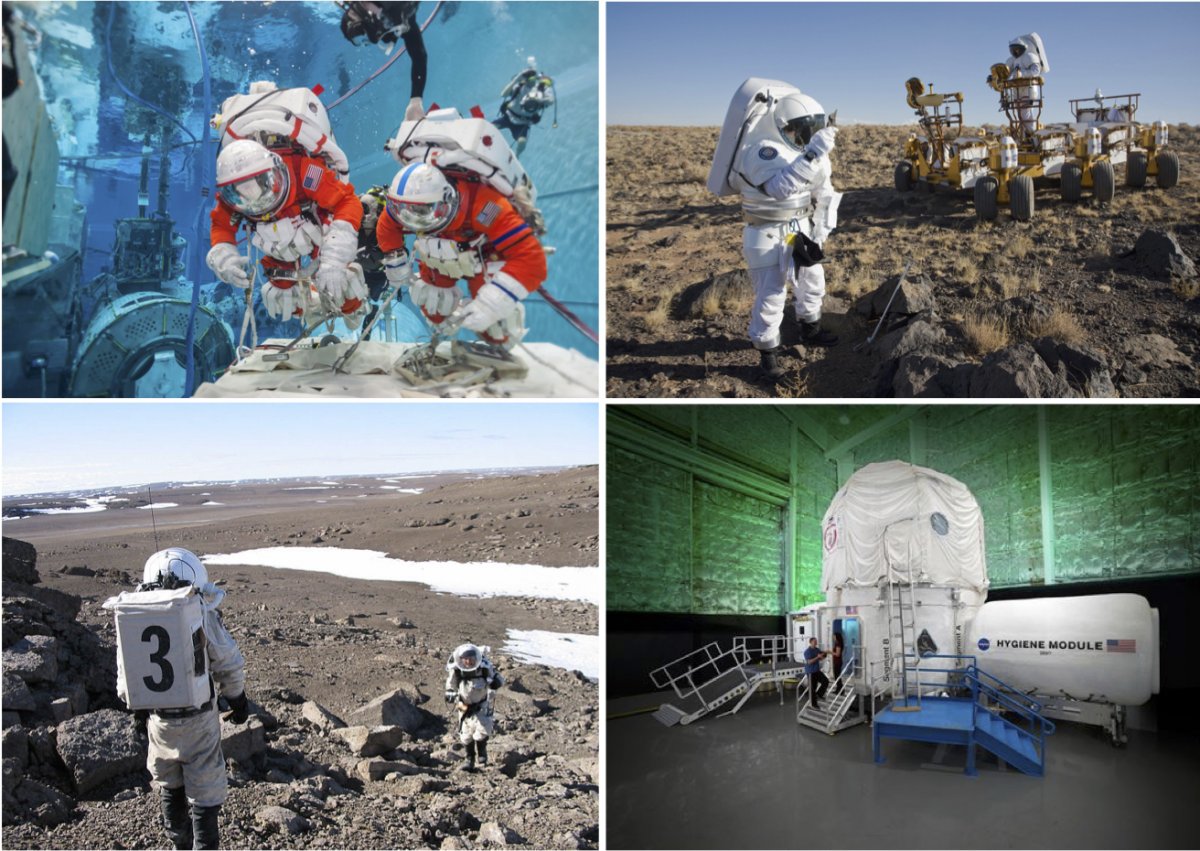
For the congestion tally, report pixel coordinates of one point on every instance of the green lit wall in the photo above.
(716, 509)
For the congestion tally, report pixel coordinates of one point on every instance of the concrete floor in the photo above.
(739, 782)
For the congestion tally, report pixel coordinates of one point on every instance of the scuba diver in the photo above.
(382, 24)
(525, 98)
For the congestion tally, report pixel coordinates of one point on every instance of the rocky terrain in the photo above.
(351, 745)
(1083, 300)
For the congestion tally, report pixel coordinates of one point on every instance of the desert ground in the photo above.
(317, 639)
(1057, 306)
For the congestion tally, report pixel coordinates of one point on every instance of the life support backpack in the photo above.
(469, 149)
(292, 120)
(162, 652)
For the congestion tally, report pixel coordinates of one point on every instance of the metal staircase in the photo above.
(835, 712)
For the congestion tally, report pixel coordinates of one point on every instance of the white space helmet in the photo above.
(251, 179)
(798, 117)
(467, 658)
(175, 562)
(421, 199)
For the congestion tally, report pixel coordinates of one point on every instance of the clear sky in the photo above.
(680, 63)
(68, 446)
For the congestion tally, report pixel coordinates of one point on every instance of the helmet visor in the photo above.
(1016, 50)
(422, 218)
(469, 661)
(256, 194)
(799, 131)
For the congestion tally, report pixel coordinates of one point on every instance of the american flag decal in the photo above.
(488, 214)
(1120, 645)
(312, 177)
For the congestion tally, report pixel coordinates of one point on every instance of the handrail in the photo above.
(1032, 712)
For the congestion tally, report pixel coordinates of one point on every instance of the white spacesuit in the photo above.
(471, 681)
(185, 760)
(783, 174)
(1027, 58)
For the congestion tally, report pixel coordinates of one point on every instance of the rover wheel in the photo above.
(1020, 197)
(904, 176)
(1071, 182)
(1135, 169)
(1104, 181)
(985, 198)
(1168, 169)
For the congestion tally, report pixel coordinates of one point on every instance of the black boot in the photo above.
(176, 817)
(206, 827)
(481, 746)
(469, 763)
(770, 364)
(811, 334)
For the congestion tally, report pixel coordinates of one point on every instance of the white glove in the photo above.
(415, 110)
(228, 264)
(822, 142)
(434, 301)
(508, 331)
(493, 303)
(338, 250)
(280, 302)
(820, 234)
(398, 268)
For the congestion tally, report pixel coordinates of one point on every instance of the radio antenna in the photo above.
(152, 523)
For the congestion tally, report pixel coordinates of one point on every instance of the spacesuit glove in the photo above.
(451, 696)
(398, 268)
(240, 707)
(415, 110)
(228, 264)
(338, 250)
(494, 302)
(822, 142)
(435, 302)
(282, 302)
(820, 234)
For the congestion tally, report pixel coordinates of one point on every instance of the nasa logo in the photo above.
(767, 153)
(984, 644)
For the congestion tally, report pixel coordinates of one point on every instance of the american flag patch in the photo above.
(1120, 645)
(312, 177)
(852, 610)
(488, 214)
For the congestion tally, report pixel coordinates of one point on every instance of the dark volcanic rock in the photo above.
(20, 562)
(34, 659)
(1016, 372)
(1082, 367)
(99, 746)
(1159, 254)
(392, 709)
(914, 296)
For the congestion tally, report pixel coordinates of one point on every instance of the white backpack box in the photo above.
(162, 652)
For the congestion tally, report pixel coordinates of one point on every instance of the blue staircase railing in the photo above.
(1033, 723)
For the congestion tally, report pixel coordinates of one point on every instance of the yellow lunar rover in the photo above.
(1001, 168)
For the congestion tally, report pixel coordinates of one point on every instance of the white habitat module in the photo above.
(743, 125)
(1098, 649)
(269, 114)
(162, 654)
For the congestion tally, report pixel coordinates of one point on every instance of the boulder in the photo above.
(419, 784)
(370, 741)
(16, 745)
(20, 562)
(34, 659)
(240, 742)
(920, 375)
(396, 708)
(914, 296)
(917, 337)
(60, 709)
(320, 717)
(281, 820)
(371, 770)
(99, 746)
(1153, 351)
(17, 696)
(41, 804)
(494, 833)
(1159, 255)
(1082, 367)
(1016, 372)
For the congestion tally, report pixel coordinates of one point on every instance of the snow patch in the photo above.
(160, 505)
(469, 579)
(91, 506)
(571, 651)
(399, 489)
(210, 502)
(309, 488)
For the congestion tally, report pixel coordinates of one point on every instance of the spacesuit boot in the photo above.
(811, 334)
(177, 817)
(468, 764)
(481, 747)
(770, 364)
(205, 826)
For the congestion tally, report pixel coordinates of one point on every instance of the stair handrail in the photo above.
(771, 647)
(1031, 712)
(712, 656)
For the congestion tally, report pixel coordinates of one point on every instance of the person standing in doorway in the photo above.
(817, 681)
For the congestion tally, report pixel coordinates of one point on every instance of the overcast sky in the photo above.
(680, 63)
(83, 445)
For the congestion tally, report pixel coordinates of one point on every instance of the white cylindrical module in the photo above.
(1101, 648)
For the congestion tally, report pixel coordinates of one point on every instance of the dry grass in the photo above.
(1058, 325)
(966, 270)
(657, 318)
(1020, 246)
(1010, 284)
(794, 386)
(985, 334)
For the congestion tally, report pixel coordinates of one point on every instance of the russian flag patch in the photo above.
(312, 177)
(488, 214)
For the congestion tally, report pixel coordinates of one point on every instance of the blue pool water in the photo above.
(474, 49)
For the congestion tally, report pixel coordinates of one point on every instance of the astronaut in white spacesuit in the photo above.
(790, 208)
(185, 759)
(1027, 58)
(471, 683)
